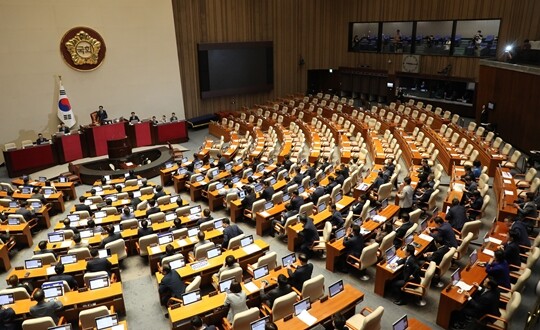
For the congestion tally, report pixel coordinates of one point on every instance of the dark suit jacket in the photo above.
(411, 270)
(296, 202)
(267, 193)
(145, 231)
(319, 191)
(275, 293)
(521, 228)
(99, 264)
(152, 210)
(159, 194)
(309, 233)
(511, 253)
(400, 233)
(83, 207)
(247, 202)
(27, 214)
(337, 219)
(457, 216)
(439, 254)
(65, 277)
(7, 316)
(482, 303)
(135, 201)
(354, 245)
(110, 238)
(173, 284)
(329, 187)
(230, 232)
(300, 275)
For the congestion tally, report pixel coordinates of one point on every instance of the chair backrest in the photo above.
(194, 285)
(82, 214)
(411, 230)
(269, 259)
(368, 257)
(387, 241)
(243, 319)
(19, 293)
(46, 258)
(415, 215)
(313, 288)
(38, 323)
(513, 305)
(464, 246)
(81, 253)
(235, 241)
(87, 317)
(433, 199)
(169, 259)
(277, 198)
(327, 231)
(471, 227)
(373, 319)
(235, 273)
(147, 190)
(142, 205)
(446, 261)
(200, 251)
(428, 276)
(110, 210)
(117, 247)
(306, 208)
(384, 191)
(283, 306)
(18, 217)
(164, 200)
(145, 241)
(364, 213)
(258, 206)
(129, 223)
(157, 217)
(87, 277)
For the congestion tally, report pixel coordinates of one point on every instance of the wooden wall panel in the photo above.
(317, 31)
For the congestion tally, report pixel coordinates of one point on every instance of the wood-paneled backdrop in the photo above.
(317, 30)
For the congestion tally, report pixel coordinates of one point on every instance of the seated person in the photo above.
(92, 225)
(268, 191)
(289, 212)
(60, 276)
(378, 181)
(127, 214)
(230, 231)
(169, 251)
(198, 324)
(36, 194)
(422, 200)
(111, 237)
(386, 229)
(41, 139)
(26, 213)
(42, 245)
(444, 231)
(202, 240)
(476, 169)
(153, 208)
(309, 234)
(133, 117)
(410, 273)
(159, 192)
(97, 264)
(457, 215)
(353, 243)
(359, 206)
(474, 205)
(206, 217)
(527, 209)
(45, 308)
(331, 184)
(481, 304)
(301, 273)
(7, 318)
(317, 193)
(406, 224)
(67, 226)
(520, 228)
(13, 282)
(145, 230)
(78, 243)
(337, 218)
(511, 249)
(296, 201)
(499, 269)
(230, 264)
(249, 199)
(171, 285)
(282, 289)
(228, 188)
(470, 187)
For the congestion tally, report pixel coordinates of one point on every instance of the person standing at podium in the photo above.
(134, 118)
(102, 115)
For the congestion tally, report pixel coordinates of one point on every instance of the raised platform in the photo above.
(94, 170)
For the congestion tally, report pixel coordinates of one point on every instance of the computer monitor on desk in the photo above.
(53, 291)
(260, 272)
(456, 277)
(302, 305)
(99, 282)
(401, 324)
(32, 263)
(107, 321)
(225, 284)
(289, 259)
(335, 288)
(246, 241)
(61, 327)
(260, 323)
(6, 299)
(192, 297)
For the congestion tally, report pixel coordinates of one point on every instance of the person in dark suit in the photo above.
(62, 128)
(111, 237)
(206, 216)
(519, 227)
(159, 192)
(230, 231)
(198, 324)
(60, 276)
(340, 178)
(41, 139)
(7, 319)
(145, 230)
(301, 273)
(171, 285)
(45, 308)
(410, 273)
(499, 269)
(325, 163)
(287, 162)
(311, 171)
(102, 115)
(511, 249)
(247, 202)
(354, 244)
(42, 245)
(296, 201)
(309, 234)
(444, 231)
(133, 117)
(437, 255)
(527, 209)
(456, 215)
(14, 282)
(289, 212)
(337, 218)
(36, 194)
(153, 208)
(282, 289)
(481, 304)
(67, 226)
(97, 264)
(406, 224)
(268, 191)
(317, 193)
(378, 181)
(82, 206)
(134, 200)
(331, 184)
(357, 207)
(26, 213)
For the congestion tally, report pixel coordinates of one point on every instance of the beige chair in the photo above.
(207, 225)
(68, 233)
(367, 259)
(38, 323)
(194, 285)
(526, 178)
(64, 283)
(282, 307)
(235, 273)
(306, 209)
(158, 217)
(118, 247)
(242, 320)
(180, 233)
(46, 258)
(258, 206)
(411, 230)
(462, 249)
(269, 259)
(200, 252)
(479, 214)
(313, 288)
(10, 146)
(147, 190)
(386, 243)
(470, 227)
(142, 205)
(144, 242)
(131, 182)
(320, 244)
(512, 162)
(96, 199)
(282, 229)
(444, 265)
(88, 276)
(229, 198)
(169, 259)
(415, 215)
(235, 242)
(533, 255)
(82, 214)
(384, 191)
(111, 210)
(87, 317)
(502, 322)
(367, 319)
(129, 223)
(82, 253)
(19, 293)
(421, 290)
(506, 294)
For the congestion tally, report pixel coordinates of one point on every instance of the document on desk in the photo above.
(251, 287)
(393, 268)
(507, 175)
(265, 214)
(66, 244)
(97, 221)
(181, 242)
(339, 206)
(364, 231)
(118, 327)
(379, 218)
(50, 271)
(155, 249)
(458, 187)
(252, 248)
(494, 240)
(426, 237)
(307, 318)
(363, 186)
(507, 181)
(463, 286)
(509, 193)
(488, 252)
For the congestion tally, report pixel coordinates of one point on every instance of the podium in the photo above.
(119, 148)
(173, 132)
(68, 147)
(139, 134)
(96, 137)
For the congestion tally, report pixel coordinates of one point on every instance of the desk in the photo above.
(172, 132)
(448, 155)
(505, 190)
(363, 187)
(96, 137)
(21, 233)
(56, 199)
(335, 248)
(344, 302)
(28, 160)
(236, 205)
(4, 256)
(68, 147)
(166, 175)
(139, 133)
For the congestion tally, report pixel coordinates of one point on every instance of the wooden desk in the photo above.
(4, 256)
(29, 160)
(505, 190)
(364, 187)
(448, 155)
(21, 233)
(344, 302)
(385, 273)
(166, 175)
(335, 248)
(263, 220)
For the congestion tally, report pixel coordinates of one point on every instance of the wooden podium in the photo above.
(119, 148)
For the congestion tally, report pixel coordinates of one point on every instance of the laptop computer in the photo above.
(391, 256)
(104, 253)
(100, 214)
(167, 165)
(473, 257)
(268, 205)
(219, 185)
(53, 291)
(36, 205)
(74, 217)
(26, 190)
(68, 259)
(335, 288)
(61, 327)
(456, 277)
(241, 194)
(62, 179)
(178, 263)
(401, 324)
(55, 237)
(170, 216)
(384, 203)
(235, 179)
(218, 224)
(372, 213)
(225, 284)
(193, 231)
(340, 233)
(174, 198)
(301, 190)
(289, 259)
(182, 171)
(246, 241)
(195, 210)
(260, 323)
(192, 297)
(99, 282)
(137, 193)
(260, 272)
(33, 263)
(14, 221)
(6, 299)
(86, 233)
(13, 204)
(213, 252)
(228, 167)
(106, 321)
(165, 238)
(258, 187)
(302, 305)
(321, 207)
(286, 197)
(338, 197)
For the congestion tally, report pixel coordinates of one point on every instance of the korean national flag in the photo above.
(65, 114)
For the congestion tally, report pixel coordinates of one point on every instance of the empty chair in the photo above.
(506, 294)
(282, 307)
(512, 162)
(19, 293)
(87, 317)
(470, 227)
(88, 276)
(421, 290)
(367, 258)
(200, 252)
(194, 285)
(118, 247)
(269, 259)
(366, 319)
(313, 288)
(81, 253)
(144, 242)
(444, 265)
(384, 191)
(39, 323)
(320, 244)
(242, 320)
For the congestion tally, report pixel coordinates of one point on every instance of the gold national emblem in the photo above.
(83, 49)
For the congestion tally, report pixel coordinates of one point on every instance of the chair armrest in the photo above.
(504, 289)
(353, 258)
(226, 324)
(137, 247)
(265, 309)
(112, 309)
(297, 292)
(113, 278)
(456, 231)
(525, 247)
(173, 300)
(494, 317)
(410, 285)
(366, 309)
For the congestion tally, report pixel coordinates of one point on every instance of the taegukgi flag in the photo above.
(65, 113)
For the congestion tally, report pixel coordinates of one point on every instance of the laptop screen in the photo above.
(99, 282)
(32, 263)
(55, 237)
(137, 193)
(165, 238)
(286, 197)
(473, 257)
(42, 179)
(195, 210)
(409, 239)
(340, 233)
(337, 198)
(104, 253)
(167, 165)
(193, 231)
(258, 187)
(219, 186)
(214, 252)
(107, 321)
(335, 288)
(100, 214)
(246, 241)
(62, 179)
(53, 291)
(73, 217)
(178, 263)
(112, 197)
(86, 233)
(68, 259)
(191, 297)
(268, 205)
(225, 285)
(288, 259)
(26, 190)
(301, 189)
(384, 203)
(321, 207)
(13, 204)
(456, 276)
(36, 205)
(6, 299)
(170, 216)
(228, 167)
(14, 221)
(48, 191)
(302, 305)
(235, 179)
(241, 194)
(218, 224)
(390, 252)
(401, 324)
(260, 323)
(260, 272)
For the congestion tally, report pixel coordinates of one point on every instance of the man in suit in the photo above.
(511, 249)
(378, 181)
(406, 224)
(36, 194)
(14, 282)
(145, 230)
(337, 218)
(67, 226)
(171, 285)
(410, 273)
(481, 304)
(268, 191)
(331, 184)
(45, 308)
(317, 193)
(206, 216)
(83, 207)
(301, 273)
(309, 234)
(26, 213)
(282, 289)
(159, 192)
(97, 264)
(127, 214)
(437, 255)
(173, 117)
(62, 128)
(354, 244)
(7, 318)
(78, 242)
(287, 162)
(134, 200)
(111, 237)
(444, 231)
(42, 245)
(60, 276)
(527, 209)
(198, 324)
(249, 199)
(357, 207)
(133, 117)
(221, 162)
(230, 231)
(296, 201)
(456, 215)
(153, 208)
(519, 227)
(102, 115)
(41, 139)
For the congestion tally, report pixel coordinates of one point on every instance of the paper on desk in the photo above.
(50, 271)
(426, 237)
(488, 252)
(494, 240)
(379, 218)
(507, 181)
(85, 241)
(507, 175)
(252, 248)
(155, 249)
(182, 242)
(393, 269)
(458, 187)
(363, 186)
(66, 244)
(307, 318)
(118, 327)
(98, 220)
(463, 286)
(251, 287)
(265, 214)
(508, 192)
(339, 206)
(364, 231)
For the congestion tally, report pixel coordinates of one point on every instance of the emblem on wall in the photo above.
(82, 48)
